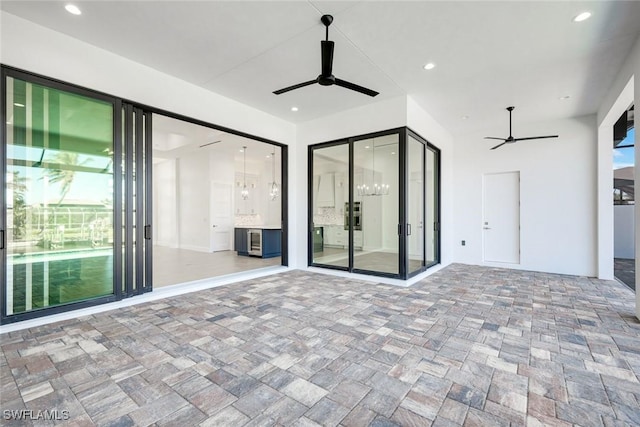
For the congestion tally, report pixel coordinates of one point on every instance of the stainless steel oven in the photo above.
(254, 242)
(357, 216)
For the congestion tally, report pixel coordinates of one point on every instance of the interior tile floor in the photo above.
(173, 265)
(469, 345)
(625, 271)
(380, 261)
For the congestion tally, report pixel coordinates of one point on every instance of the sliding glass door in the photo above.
(68, 188)
(415, 205)
(329, 202)
(376, 195)
(374, 204)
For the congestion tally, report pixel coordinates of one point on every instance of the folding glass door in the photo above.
(69, 197)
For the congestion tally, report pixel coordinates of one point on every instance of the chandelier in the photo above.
(245, 191)
(374, 188)
(274, 190)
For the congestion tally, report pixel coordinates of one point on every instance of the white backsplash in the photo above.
(248, 220)
(328, 216)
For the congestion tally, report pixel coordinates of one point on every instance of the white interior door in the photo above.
(501, 217)
(221, 216)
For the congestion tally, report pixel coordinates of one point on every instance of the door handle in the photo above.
(487, 228)
(147, 232)
(408, 229)
(1, 239)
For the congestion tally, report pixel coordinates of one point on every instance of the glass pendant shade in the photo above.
(274, 190)
(245, 191)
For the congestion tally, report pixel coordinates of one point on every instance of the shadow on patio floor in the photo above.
(625, 271)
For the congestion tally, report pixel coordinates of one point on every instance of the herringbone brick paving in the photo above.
(470, 345)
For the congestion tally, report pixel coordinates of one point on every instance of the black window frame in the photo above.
(403, 272)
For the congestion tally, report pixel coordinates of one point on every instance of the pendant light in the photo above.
(273, 190)
(245, 191)
(375, 189)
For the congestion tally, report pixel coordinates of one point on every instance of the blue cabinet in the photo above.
(240, 241)
(270, 242)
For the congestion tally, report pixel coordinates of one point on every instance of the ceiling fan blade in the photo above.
(499, 145)
(327, 57)
(298, 86)
(535, 137)
(495, 137)
(357, 88)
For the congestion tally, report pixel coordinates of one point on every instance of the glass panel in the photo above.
(59, 197)
(431, 207)
(331, 205)
(376, 204)
(200, 217)
(415, 204)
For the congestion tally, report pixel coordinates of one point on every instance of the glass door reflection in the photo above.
(376, 191)
(330, 206)
(59, 197)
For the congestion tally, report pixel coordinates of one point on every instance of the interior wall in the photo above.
(193, 201)
(165, 206)
(557, 194)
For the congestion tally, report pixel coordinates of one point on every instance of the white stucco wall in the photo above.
(557, 194)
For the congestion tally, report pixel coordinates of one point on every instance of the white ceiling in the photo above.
(488, 54)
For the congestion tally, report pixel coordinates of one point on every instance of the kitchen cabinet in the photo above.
(358, 239)
(240, 241)
(341, 192)
(336, 236)
(326, 191)
(271, 241)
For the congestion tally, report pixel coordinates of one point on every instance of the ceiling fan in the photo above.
(510, 139)
(327, 78)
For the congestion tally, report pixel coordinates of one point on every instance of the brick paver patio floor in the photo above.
(469, 346)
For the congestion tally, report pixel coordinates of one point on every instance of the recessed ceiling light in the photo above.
(366, 146)
(294, 109)
(268, 156)
(73, 9)
(241, 150)
(564, 98)
(430, 66)
(582, 17)
(393, 152)
(17, 104)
